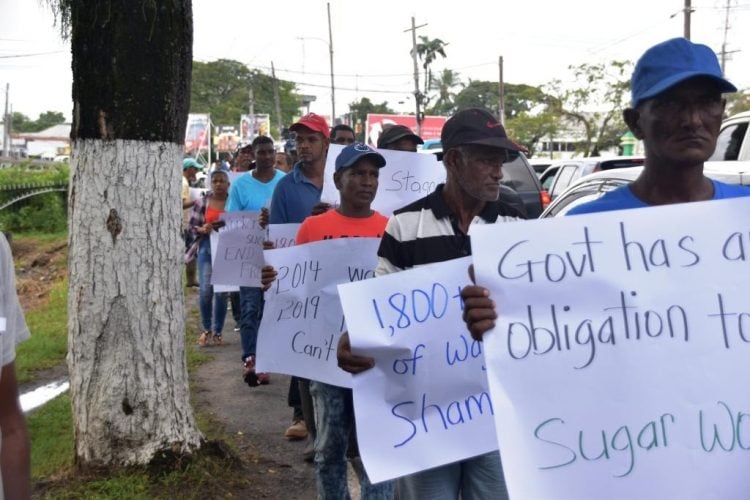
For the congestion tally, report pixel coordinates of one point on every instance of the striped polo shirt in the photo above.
(426, 231)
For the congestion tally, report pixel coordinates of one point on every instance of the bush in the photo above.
(45, 212)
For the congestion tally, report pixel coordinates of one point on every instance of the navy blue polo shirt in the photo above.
(294, 197)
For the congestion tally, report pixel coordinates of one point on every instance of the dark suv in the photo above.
(520, 176)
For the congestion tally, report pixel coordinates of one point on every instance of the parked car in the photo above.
(521, 178)
(562, 174)
(734, 141)
(540, 164)
(596, 185)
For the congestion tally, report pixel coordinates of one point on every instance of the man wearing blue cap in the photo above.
(356, 178)
(677, 107)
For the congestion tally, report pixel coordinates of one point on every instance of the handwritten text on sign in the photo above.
(405, 178)
(282, 235)
(426, 402)
(620, 355)
(302, 317)
(239, 253)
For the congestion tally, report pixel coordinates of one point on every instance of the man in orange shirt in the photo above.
(356, 178)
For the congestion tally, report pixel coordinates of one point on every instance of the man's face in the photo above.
(190, 173)
(265, 155)
(358, 184)
(343, 137)
(311, 146)
(478, 170)
(245, 157)
(403, 144)
(681, 125)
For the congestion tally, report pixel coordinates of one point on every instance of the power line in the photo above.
(32, 55)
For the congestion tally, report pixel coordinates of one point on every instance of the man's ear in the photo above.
(337, 179)
(632, 117)
(451, 159)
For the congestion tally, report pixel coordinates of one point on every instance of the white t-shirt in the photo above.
(13, 329)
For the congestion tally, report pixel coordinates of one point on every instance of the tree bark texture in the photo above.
(126, 342)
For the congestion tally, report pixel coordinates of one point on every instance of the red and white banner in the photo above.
(431, 125)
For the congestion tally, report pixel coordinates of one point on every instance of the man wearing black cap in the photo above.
(434, 229)
(399, 138)
(677, 107)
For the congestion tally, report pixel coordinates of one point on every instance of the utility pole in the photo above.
(687, 11)
(276, 98)
(724, 51)
(417, 93)
(330, 51)
(501, 94)
(6, 124)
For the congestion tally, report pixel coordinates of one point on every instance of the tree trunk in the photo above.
(126, 342)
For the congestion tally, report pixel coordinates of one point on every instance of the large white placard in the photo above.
(302, 316)
(619, 364)
(405, 178)
(426, 401)
(239, 252)
(283, 235)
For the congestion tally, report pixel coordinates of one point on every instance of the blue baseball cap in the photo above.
(355, 152)
(672, 62)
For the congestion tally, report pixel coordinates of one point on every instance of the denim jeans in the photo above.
(251, 307)
(213, 306)
(477, 478)
(334, 418)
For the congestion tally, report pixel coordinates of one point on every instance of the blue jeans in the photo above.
(334, 419)
(251, 307)
(213, 306)
(477, 478)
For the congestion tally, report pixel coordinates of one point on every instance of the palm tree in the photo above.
(444, 84)
(428, 50)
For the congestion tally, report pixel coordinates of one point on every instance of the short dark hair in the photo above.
(261, 139)
(341, 126)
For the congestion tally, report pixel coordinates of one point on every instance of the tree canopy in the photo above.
(360, 109)
(22, 123)
(222, 88)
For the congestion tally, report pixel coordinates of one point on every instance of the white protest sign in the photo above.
(426, 401)
(405, 178)
(239, 253)
(302, 318)
(283, 235)
(214, 247)
(619, 363)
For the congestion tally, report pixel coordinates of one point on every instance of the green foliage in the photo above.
(22, 123)
(222, 88)
(48, 344)
(40, 213)
(596, 103)
(51, 432)
(360, 109)
(427, 51)
(444, 84)
(738, 102)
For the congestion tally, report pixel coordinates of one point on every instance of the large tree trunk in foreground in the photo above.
(131, 88)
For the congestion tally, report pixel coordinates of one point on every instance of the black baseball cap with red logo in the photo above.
(475, 126)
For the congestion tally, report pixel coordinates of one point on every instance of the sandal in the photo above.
(217, 339)
(204, 338)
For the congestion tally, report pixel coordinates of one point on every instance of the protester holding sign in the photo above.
(356, 179)
(204, 218)
(251, 192)
(677, 107)
(293, 200)
(434, 229)
(399, 138)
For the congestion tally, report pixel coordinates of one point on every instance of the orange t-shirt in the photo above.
(332, 224)
(212, 215)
